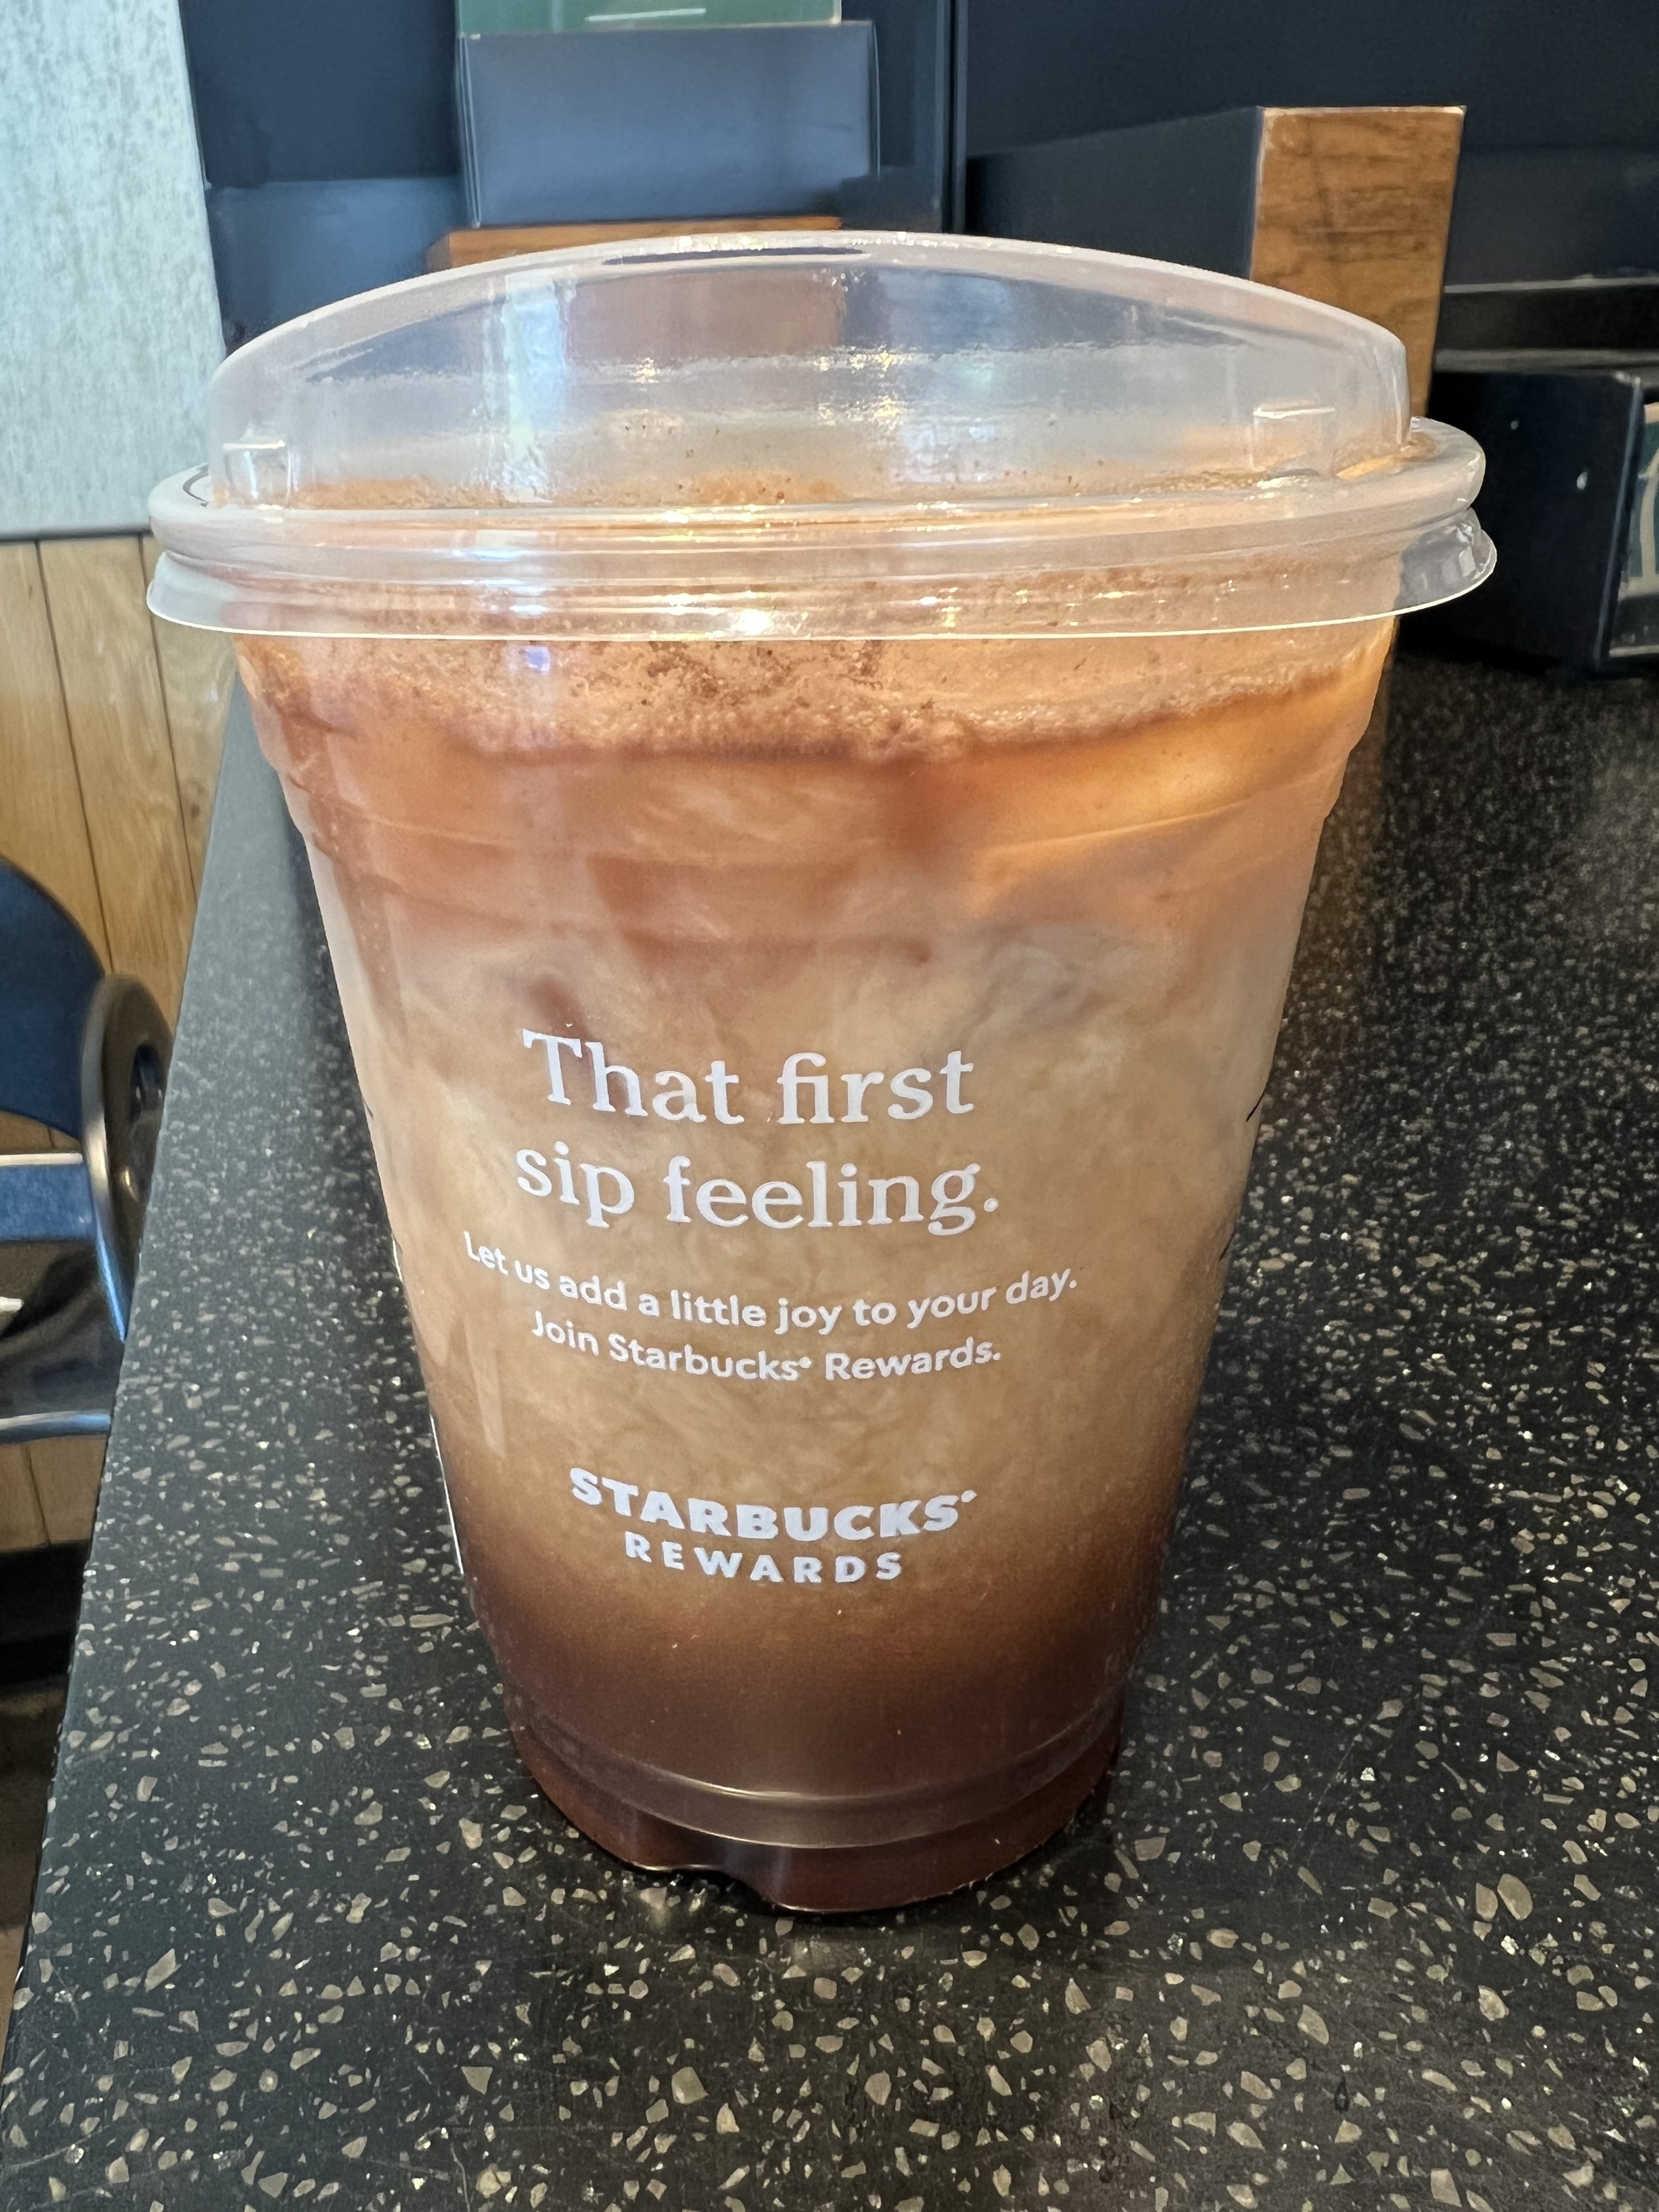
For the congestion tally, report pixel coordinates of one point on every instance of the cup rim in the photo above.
(262, 560)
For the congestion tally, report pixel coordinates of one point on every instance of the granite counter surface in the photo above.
(1368, 1915)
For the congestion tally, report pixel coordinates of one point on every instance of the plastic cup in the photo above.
(812, 754)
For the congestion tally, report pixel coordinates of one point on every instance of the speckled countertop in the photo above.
(1368, 1917)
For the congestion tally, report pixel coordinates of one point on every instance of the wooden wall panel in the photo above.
(129, 786)
(111, 728)
(199, 672)
(22, 1525)
(67, 1473)
(49, 1492)
(43, 828)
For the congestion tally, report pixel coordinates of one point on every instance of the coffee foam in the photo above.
(851, 687)
(868, 696)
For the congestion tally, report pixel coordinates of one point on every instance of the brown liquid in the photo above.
(1059, 880)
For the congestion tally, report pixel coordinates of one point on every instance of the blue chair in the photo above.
(87, 1055)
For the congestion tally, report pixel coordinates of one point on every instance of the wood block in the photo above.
(22, 1525)
(1352, 207)
(67, 1473)
(43, 826)
(199, 673)
(460, 249)
(1349, 205)
(118, 723)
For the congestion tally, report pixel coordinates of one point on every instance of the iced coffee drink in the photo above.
(813, 1051)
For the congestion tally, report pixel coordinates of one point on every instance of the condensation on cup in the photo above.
(812, 753)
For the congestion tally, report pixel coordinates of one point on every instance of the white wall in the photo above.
(109, 322)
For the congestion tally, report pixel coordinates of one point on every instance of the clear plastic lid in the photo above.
(814, 436)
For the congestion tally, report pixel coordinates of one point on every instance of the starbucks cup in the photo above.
(812, 753)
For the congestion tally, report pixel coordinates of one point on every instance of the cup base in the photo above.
(841, 1878)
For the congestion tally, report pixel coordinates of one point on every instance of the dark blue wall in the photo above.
(1560, 170)
(327, 125)
(296, 91)
(1532, 73)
